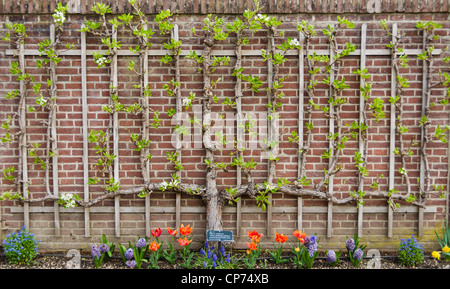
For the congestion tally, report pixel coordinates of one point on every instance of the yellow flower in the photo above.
(297, 249)
(436, 255)
(446, 249)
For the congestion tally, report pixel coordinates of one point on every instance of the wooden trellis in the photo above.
(363, 52)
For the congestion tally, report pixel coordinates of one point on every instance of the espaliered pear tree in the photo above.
(321, 68)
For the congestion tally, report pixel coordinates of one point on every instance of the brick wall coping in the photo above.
(233, 6)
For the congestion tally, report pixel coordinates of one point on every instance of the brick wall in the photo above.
(132, 221)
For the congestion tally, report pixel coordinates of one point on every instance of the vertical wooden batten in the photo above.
(54, 145)
(23, 139)
(362, 104)
(332, 152)
(115, 119)
(301, 116)
(145, 135)
(87, 226)
(179, 108)
(392, 137)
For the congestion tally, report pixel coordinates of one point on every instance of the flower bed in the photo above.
(151, 253)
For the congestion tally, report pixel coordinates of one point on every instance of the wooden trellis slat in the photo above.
(301, 100)
(145, 135)
(422, 133)
(332, 152)
(179, 108)
(85, 109)
(269, 137)
(116, 138)
(361, 120)
(225, 52)
(54, 145)
(392, 137)
(23, 145)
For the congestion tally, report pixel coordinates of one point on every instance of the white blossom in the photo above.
(294, 42)
(164, 185)
(100, 61)
(41, 101)
(262, 18)
(270, 186)
(186, 101)
(59, 17)
(68, 200)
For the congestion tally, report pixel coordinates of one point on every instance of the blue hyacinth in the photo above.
(141, 243)
(131, 263)
(350, 243)
(95, 251)
(331, 256)
(358, 254)
(129, 254)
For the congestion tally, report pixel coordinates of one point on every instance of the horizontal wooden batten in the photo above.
(244, 210)
(357, 52)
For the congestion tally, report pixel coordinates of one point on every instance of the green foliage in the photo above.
(444, 241)
(37, 159)
(355, 250)
(139, 143)
(9, 135)
(105, 159)
(173, 158)
(21, 247)
(410, 252)
(377, 106)
(216, 25)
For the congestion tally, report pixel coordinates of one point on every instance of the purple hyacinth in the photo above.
(312, 249)
(129, 254)
(350, 243)
(358, 254)
(331, 256)
(141, 243)
(95, 251)
(104, 248)
(222, 250)
(131, 263)
(202, 252)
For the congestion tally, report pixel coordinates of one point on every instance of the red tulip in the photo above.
(172, 232)
(281, 238)
(184, 242)
(185, 231)
(254, 236)
(300, 236)
(156, 233)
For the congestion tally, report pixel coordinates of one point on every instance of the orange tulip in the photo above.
(184, 242)
(156, 233)
(254, 236)
(185, 231)
(281, 238)
(300, 236)
(154, 246)
(172, 232)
